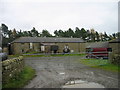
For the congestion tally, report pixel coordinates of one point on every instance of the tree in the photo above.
(45, 33)
(118, 35)
(19, 34)
(97, 37)
(92, 35)
(106, 37)
(83, 33)
(59, 33)
(77, 33)
(88, 35)
(10, 34)
(114, 36)
(70, 33)
(5, 30)
(34, 32)
(27, 33)
(14, 33)
(4, 35)
(56, 33)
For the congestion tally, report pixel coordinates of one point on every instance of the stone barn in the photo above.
(97, 45)
(115, 45)
(114, 56)
(45, 45)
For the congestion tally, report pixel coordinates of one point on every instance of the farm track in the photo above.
(54, 72)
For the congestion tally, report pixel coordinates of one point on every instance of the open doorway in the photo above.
(54, 48)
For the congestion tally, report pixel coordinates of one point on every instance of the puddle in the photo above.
(82, 84)
(62, 73)
(75, 82)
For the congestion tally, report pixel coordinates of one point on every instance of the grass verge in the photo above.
(102, 64)
(13, 56)
(22, 79)
(49, 55)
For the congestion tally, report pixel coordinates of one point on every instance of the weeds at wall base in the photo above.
(22, 79)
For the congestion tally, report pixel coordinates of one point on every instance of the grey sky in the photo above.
(102, 15)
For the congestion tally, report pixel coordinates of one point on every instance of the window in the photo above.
(109, 49)
(31, 45)
(22, 50)
(42, 48)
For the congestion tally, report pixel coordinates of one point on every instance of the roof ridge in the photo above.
(48, 39)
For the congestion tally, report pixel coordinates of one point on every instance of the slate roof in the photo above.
(98, 45)
(46, 40)
(115, 41)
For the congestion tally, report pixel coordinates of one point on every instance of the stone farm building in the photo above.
(44, 44)
(115, 45)
(97, 45)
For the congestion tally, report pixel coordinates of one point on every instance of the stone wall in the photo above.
(16, 48)
(5, 49)
(114, 56)
(20, 48)
(36, 47)
(75, 47)
(11, 68)
(115, 47)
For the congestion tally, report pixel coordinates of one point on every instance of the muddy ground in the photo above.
(54, 72)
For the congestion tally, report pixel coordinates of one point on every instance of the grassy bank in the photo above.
(22, 79)
(99, 63)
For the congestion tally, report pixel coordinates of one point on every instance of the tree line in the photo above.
(87, 35)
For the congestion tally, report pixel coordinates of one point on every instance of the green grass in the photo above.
(22, 79)
(49, 55)
(32, 53)
(94, 62)
(110, 67)
(13, 56)
(102, 64)
(68, 55)
(44, 55)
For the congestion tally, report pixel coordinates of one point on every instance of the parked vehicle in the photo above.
(98, 52)
(3, 56)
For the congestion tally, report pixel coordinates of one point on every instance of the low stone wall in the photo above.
(11, 68)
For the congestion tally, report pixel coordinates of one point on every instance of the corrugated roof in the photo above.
(98, 45)
(46, 39)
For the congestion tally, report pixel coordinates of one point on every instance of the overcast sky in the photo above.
(102, 15)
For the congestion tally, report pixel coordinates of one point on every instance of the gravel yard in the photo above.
(55, 72)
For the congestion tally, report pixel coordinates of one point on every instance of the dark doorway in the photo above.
(9, 49)
(54, 48)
